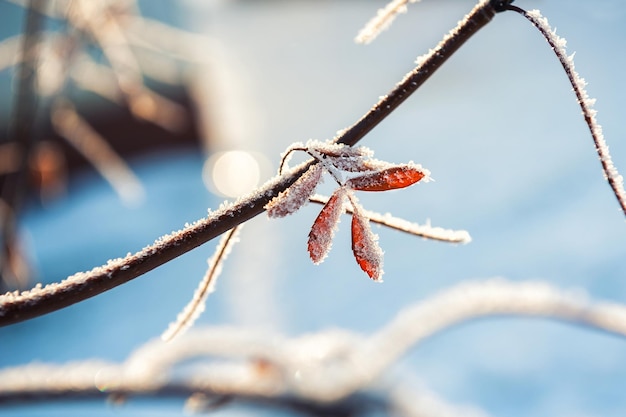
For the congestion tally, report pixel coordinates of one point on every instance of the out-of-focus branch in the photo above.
(22, 136)
(90, 144)
(321, 372)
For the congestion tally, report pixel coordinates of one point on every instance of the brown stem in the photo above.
(15, 308)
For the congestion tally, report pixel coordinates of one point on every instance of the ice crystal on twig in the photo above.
(615, 180)
(294, 197)
(192, 311)
(424, 231)
(382, 20)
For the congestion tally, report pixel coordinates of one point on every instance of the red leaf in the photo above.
(366, 251)
(294, 197)
(398, 176)
(323, 229)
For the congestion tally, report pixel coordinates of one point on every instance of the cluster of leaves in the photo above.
(365, 174)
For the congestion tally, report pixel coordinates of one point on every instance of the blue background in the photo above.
(500, 130)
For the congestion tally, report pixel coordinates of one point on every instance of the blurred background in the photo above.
(129, 149)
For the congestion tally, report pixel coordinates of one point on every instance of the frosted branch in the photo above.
(427, 64)
(615, 180)
(424, 231)
(383, 19)
(19, 306)
(16, 307)
(196, 306)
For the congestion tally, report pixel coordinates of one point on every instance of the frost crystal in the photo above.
(615, 180)
(294, 197)
(365, 247)
(196, 306)
(325, 225)
(398, 176)
(382, 20)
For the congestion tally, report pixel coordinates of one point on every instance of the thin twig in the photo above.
(192, 311)
(480, 15)
(22, 134)
(70, 125)
(615, 180)
(17, 307)
(425, 231)
(383, 19)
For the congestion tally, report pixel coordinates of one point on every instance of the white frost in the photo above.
(196, 306)
(383, 19)
(289, 201)
(616, 181)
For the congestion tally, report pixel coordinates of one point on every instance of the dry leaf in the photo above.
(398, 176)
(365, 247)
(294, 197)
(323, 229)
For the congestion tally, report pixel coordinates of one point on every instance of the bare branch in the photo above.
(16, 307)
(192, 311)
(22, 135)
(425, 231)
(476, 19)
(70, 125)
(383, 19)
(615, 180)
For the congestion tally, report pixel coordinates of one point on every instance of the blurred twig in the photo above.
(97, 151)
(22, 138)
(320, 373)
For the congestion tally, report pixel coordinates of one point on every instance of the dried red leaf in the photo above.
(398, 176)
(323, 229)
(366, 251)
(294, 197)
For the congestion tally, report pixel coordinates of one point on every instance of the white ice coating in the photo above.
(196, 306)
(383, 19)
(325, 226)
(367, 252)
(289, 201)
(558, 44)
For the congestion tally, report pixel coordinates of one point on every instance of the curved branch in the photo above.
(470, 301)
(17, 307)
(324, 369)
(612, 176)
